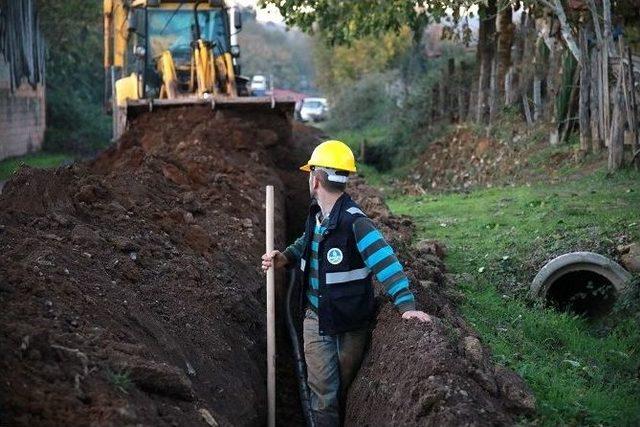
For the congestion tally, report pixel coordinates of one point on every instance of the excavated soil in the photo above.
(436, 373)
(131, 292)
(462, 160)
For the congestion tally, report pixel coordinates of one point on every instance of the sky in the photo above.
(268, 14)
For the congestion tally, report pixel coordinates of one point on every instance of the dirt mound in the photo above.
(428, 374)
(462, 159)
(131, 291)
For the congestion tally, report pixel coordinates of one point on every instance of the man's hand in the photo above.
(416, 314)
(275, 258)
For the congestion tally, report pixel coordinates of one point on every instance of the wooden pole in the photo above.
(271, 331)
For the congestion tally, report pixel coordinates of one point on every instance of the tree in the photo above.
(341, 22)
(485, 56)
(75, 77)
(271, 50)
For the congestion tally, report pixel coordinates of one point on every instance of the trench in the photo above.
(296, 202)
(186, 313)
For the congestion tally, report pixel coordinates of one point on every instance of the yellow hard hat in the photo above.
(332, 154)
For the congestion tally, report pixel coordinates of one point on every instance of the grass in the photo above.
(121, 380)
(582, 373)
(38, 160)
(374, 135)
(500, 229)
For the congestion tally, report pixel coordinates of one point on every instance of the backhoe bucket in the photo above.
(133, 108)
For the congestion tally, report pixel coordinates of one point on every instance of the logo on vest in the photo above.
(334, 256)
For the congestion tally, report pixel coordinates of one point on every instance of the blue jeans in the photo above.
(332, 363)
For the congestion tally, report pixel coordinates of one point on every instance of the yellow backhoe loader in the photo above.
(163, 54)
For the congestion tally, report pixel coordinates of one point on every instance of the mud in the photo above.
(131, 292)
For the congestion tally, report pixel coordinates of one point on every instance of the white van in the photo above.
(258, 85)
(314, 109)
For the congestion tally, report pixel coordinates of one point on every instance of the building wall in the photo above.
(22, 116)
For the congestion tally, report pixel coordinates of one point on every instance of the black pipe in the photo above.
(196, 20)
(298, 357)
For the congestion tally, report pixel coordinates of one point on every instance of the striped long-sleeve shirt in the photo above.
(378, 256)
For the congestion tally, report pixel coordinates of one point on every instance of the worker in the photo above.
(337, 255)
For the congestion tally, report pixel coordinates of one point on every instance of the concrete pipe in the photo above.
(581, 282)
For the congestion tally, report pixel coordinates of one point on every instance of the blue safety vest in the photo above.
(345, 291)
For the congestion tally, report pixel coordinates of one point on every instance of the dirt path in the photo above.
(131, 291)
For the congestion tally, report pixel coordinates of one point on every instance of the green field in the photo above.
(582, 372)
(38, 160)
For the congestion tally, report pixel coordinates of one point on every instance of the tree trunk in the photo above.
(605, 98)
(616, 141)
(486, 53)
(539, 67)
(585, 84)
(527, 109)
(566, 120)
(554, 78)
(616, 135)
(493, 91)
(461, 88)
(442, 97)
(607, 51)
(594, 98)
(608, 34)
(508, 86)
(435, 92)
(472, 98)
(505, 40)
(634, 107)
(565, 28)
(628, 93)
(527, 63)
(452, 90)
(516, 72)
(537, 98)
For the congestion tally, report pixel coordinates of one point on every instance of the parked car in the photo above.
(314, 109)
(258, 85)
